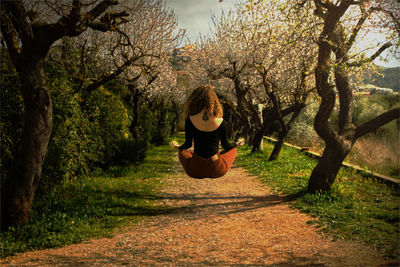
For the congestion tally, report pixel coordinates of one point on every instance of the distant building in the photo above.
(182, 55)
(374, 89)
(362, 93)
(380, 90)
(190, 48)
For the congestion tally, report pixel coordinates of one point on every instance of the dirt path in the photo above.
(233, 220)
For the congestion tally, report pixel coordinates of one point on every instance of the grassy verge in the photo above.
(357, 207)
(92, 206)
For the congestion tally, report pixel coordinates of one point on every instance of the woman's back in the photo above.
(209, 125)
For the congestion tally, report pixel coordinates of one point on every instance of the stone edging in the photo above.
(386, 179)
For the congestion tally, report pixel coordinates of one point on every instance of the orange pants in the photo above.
(215, 167)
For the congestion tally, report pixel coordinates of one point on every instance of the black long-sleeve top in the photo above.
(206, 144)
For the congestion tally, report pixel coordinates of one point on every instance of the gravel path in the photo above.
(233, 220)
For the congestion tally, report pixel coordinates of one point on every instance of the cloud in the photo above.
(195, 15)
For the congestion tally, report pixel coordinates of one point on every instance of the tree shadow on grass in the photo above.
(297, 195)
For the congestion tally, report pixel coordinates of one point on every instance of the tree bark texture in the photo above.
(283, 131)
(245, 124)
(257, 140)
(174, 121)
(277, 148)
(162, 117)
(271, 124)
(19, 188)
(285, 128)
(28, 44)
(338, 142)
(134, 99)
(324, 174)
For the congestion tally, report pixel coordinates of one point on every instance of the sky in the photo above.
(195, 17)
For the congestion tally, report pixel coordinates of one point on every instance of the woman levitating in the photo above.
(205, 126)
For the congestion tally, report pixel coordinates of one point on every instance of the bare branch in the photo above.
(73, 24)
(109, 77)
(74, 14)
(357, 28)
(372, 58)
(118, 71)
(10, 37)
(377, 122)
(326, 4)
(109, 21)
(395, 21)
(17, 16)
(100, 8)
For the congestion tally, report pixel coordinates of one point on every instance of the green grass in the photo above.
(357, 207)
(92, 206)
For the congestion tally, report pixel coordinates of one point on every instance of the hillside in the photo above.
(390, 78)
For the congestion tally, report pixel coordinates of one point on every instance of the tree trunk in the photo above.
(160, 114)
(230, 117)
(162, 117)
(19, 187)
(251, 136)
(324, 174)
(245, 124)
(277, 148)
(175, 119)
(134, 103)
(257, 140)
(28, 44)
(267, 128)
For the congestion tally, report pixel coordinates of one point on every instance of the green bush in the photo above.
(154, 124)
(67, 153)
(109, 122)
(89, 130)
(302, 132)
(366, 108)
(362, 105)
(160, 136)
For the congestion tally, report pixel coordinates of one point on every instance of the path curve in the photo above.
(233, 220)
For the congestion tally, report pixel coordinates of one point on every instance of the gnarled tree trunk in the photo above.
(324, 174)
(338, 142)
(257, 140)
(23, 179)
(285, 128)
(134, 99)
(277, 147)
(28, 43)
(175, 119)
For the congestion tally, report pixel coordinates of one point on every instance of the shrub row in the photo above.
(90, 129)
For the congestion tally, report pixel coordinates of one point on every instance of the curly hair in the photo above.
(203, 96)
